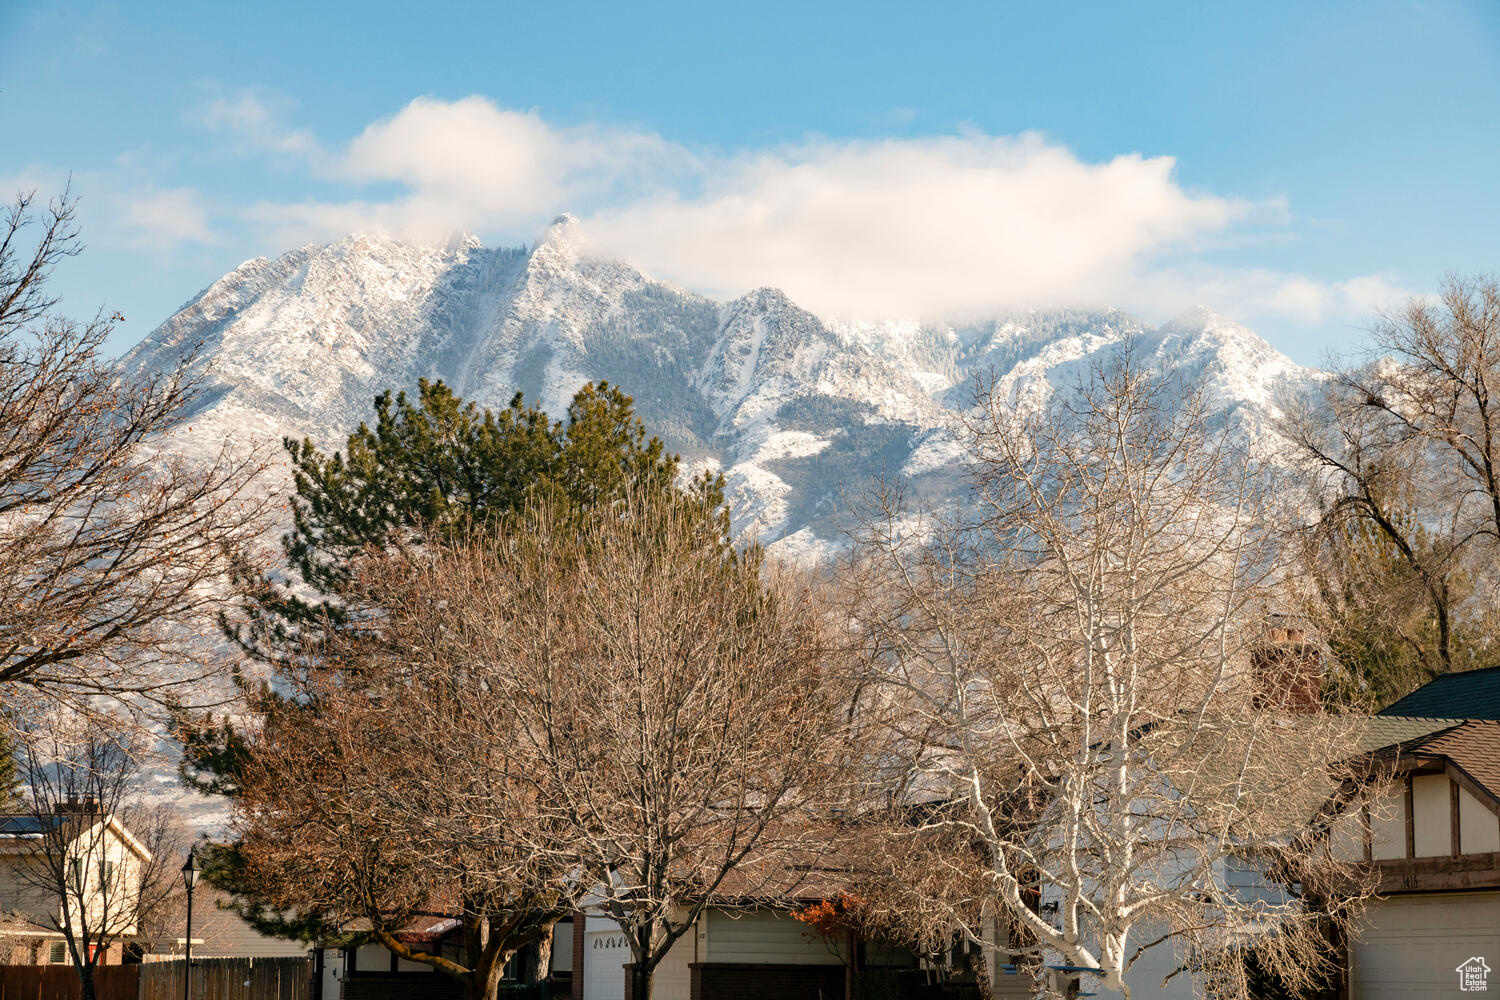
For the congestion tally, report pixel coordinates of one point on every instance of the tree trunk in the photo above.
(989, 951)
(480, 979)
(484, 981)
(544, 954)
(640, 981)
(86, 979)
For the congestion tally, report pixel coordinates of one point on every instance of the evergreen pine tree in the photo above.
(429, 467)
(11, 797)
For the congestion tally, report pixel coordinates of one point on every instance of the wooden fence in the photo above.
(60, 982)
(213, 979)
(228, 979)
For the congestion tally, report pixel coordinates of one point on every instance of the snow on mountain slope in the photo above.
(799, 414)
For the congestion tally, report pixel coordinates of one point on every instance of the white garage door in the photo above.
(1412, 945)
(604, 956)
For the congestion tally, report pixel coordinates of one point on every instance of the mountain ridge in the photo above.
(794, 410)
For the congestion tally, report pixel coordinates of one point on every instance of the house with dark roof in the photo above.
(107, 857)
(1473, 693)
(1432, 839)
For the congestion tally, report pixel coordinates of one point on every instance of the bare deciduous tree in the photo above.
(1406, 450)
(684, 710)
(619, 711)
(98, 867)
(357, 806)
(1067, 677)
(108, 543)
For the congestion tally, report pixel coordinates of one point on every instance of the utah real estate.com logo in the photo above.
(1473, 976)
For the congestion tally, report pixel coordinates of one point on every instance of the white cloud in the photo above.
(163, 220)
(41, 182)
(255, 119)
(120, 208)
(470, 164)
(941, 226)
(1373, 292)
(1280, 296)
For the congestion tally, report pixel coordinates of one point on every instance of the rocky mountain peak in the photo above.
(564, 235)
(797, 414)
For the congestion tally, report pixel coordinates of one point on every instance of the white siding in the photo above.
(1432, 816)
(1388, 826)
(19, 894)
(222, 934)
(1478, 828)
(98, 852)
(1347, 839)
(1146, 976)
(1246, 878)
(764, 937)
(372, 958)
(674, 978)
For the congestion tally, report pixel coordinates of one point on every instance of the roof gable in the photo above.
(1473, 746)
(1469, 694)
(18, 831)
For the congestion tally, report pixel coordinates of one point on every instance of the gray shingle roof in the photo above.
(1380, 731)
(1470, 694)
(1473, 745)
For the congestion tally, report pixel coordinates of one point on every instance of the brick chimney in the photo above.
(1288, 669)
(88, 805)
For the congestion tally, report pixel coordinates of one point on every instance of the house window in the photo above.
(58, 954)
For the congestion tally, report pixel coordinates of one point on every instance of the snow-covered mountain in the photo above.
(799, 413)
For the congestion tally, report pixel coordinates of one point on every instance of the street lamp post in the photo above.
(190, 872)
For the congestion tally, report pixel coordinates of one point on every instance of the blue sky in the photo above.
(1294, 165)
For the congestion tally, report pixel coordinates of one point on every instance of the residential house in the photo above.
(742, 947)
(1432, 839)
(1435, 844)
(106, 858)
(369, 971)
(729, 951)
(737, 950)
(218, 932)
